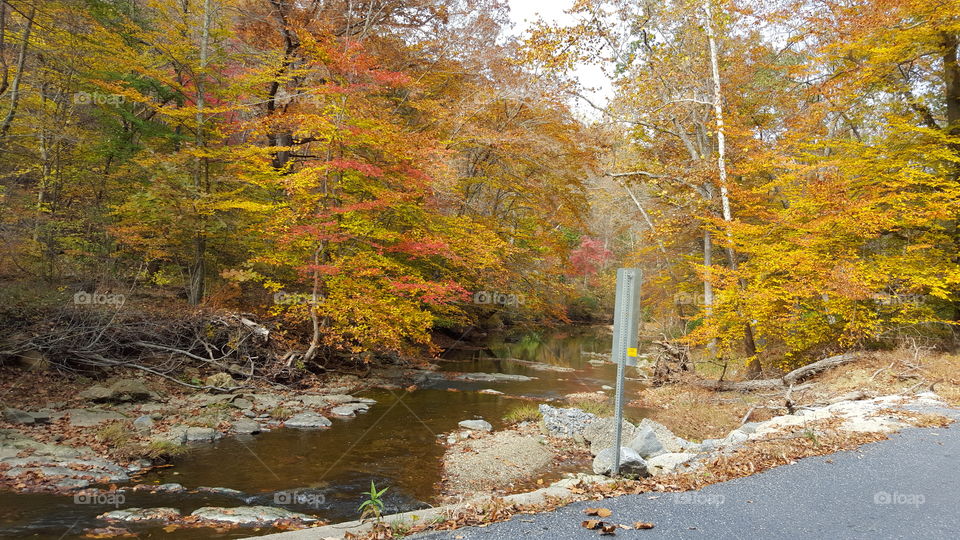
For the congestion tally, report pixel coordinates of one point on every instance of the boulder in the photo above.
(243, 404)
(602, 432)
(248, 515)
(307, 420)
(646, 443)
(349, 409)
(476, 425)
(246, 426)
(143, 424)
(565, 423)
(630, 462)
(16, 416)
(734, 438)
(141, 514)
(201, 434)
(95, 469)
(494, 377)
(670, 442)
(129, 390)
(668, 463)
(96, 393)
(220, 380)
(92, 417)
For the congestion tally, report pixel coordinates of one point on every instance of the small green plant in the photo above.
(373, 506)
(528, 412)
(812, 437)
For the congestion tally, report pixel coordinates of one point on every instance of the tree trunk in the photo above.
(198, 268)
(18, 77)
(750, 347)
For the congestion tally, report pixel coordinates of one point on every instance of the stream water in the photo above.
(395, 444)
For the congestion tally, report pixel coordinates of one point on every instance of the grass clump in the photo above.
(528, 412)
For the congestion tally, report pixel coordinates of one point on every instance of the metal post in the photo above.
(626, 320)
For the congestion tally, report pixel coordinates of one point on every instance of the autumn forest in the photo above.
(372, 179)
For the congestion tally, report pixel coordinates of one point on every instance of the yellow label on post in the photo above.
(632, 352)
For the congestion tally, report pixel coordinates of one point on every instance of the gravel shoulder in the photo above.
(904, 487)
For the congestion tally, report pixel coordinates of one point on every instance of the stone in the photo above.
(142, 514)
(143, 424)
(220, 380)
(176, 435)
(476, 425)
(265, 401)
(51, 467)
(646, 443)
(349, 409)
(171, 487)
(565, 423)
(668, 463)
(221, 491)
(602, 432)
(242, 403)
(630, 463)
(129, 390)
(491, 391)
(246, 426)
(16, 416)
(92, 417)
(248, 515)
(308, 420)
(749, 427)
(670, 442)
(494, 377)
(735, 437)
(201, 434)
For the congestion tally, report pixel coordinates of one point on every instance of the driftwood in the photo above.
(786, 382)
(669, 359)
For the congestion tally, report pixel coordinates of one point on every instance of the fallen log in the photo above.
(786, 381)
(808, 370)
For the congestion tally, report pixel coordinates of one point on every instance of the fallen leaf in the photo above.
(602, 512)
(591, 524)
(608, 530)
(642, 525)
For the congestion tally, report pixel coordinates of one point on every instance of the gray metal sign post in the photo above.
(626, 322)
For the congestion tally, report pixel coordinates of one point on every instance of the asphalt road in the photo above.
(905, 487)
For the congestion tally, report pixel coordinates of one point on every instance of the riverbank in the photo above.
(312, 450)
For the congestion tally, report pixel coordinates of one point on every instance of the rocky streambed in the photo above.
(109, 454)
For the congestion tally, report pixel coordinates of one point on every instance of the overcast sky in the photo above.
(524, 12)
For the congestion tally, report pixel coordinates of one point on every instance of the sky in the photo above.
(525, 12)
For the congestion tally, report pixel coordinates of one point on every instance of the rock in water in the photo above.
(565, 422)
(247, 426)
(142, 514)
(204, 434)
(476, 425)
(248, 515)
(307, 420)
(630, 462)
